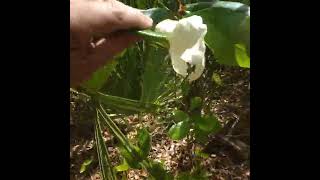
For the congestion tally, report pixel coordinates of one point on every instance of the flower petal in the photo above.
(186, 38)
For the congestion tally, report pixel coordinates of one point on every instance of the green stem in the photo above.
(121, 103)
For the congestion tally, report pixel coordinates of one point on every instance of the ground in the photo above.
(228, 151)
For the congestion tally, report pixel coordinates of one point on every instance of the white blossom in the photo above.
(186, 39)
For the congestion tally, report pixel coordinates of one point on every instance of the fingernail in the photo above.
(149, 21)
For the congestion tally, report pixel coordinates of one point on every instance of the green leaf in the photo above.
(195, 174)
(228, 24)
(242, 56)
(179, 115)
(98, 78)
(103, 155)
(156, 170)
(179, 130)
(129, 158)
(142, 4)
(201, 136)
(199, 6)
(208, 124)
(144, 142)
(199, 153)
(196, 102)
(156, 37)
(173, 5)
(155, 73)
(131, 153)
(157, 15)
(125, 79)
(85, 164)
(216, 78)
(122, 167)
(119, 103)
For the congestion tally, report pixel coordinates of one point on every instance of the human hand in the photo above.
(96, 36)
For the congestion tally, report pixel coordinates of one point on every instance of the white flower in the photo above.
(186, 38)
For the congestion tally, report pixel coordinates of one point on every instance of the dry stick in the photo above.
(236, 121)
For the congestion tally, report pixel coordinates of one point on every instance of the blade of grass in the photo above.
(121, 103)
(118, 134)
(103, 155)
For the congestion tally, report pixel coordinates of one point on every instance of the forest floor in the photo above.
(228, 152)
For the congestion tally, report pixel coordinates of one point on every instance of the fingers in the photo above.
(106, 17)
(98, 56)
(114, 44)
(126, 17)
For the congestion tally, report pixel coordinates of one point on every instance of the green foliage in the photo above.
(179, 115)
(85, 165)
(157, 171)
(122, 167)
(228, 29)
(103, 155)
(144, 142)
(129, 157)
(142, 4)
(180, 130)
(98, 79)
(216, 78)
(185, 87)
(195, 103)
(155, 73)
(122, 104)
(198, 174)
(208, 124)
(125, 79)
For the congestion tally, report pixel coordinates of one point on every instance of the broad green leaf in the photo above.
(144, 142)
(85, 164)
(242, 56)
(208, 124)
(179, 115)
(196, 102)
(122, 167)
(228, 24)
(155, 73)
(103, 155)
(179, 130)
